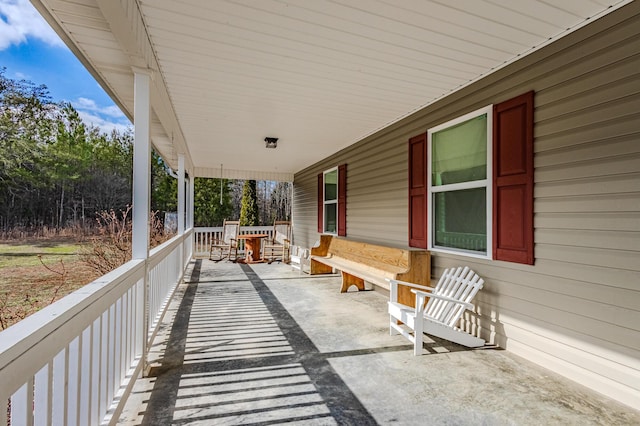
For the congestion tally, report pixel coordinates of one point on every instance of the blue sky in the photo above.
(30, 49)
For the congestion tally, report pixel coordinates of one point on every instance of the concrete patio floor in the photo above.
(263, 345)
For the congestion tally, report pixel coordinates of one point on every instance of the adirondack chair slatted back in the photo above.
(459, 284)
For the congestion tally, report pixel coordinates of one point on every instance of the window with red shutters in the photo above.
(513, 180)
(332, 201)
(509, 190)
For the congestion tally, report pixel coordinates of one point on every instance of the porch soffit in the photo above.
(319, 75)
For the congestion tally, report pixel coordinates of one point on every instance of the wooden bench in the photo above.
(359, 262)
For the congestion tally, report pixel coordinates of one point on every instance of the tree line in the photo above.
(56, 171)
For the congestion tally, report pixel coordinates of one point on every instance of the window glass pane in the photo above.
(459, 153)
(331, 186)
(331, 218)
(460, 219)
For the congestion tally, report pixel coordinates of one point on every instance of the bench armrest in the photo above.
(421, 296)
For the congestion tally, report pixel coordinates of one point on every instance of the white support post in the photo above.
(142, 193)
(190, 204)
(181, 195)
(141, 165)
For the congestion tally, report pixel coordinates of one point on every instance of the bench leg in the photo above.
(320, 268)
(348, 280)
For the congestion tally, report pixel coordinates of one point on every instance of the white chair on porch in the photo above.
(227, 243)
(440, 315)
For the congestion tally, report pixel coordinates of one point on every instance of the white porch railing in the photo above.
(75, 361)
(204, 236)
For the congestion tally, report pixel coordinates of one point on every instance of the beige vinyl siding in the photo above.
(577, 310)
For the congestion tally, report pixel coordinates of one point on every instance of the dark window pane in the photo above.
(460, 219)
(331, 218)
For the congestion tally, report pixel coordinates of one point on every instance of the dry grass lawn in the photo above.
(34, 274)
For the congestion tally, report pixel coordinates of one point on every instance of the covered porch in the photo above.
(262, 344)
(338, 83)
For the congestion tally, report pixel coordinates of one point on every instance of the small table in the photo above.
(252, 243)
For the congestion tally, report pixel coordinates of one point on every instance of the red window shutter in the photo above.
(418, 191)
(342, 200)
(513, 180)
(320, 203)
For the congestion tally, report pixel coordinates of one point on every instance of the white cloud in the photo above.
(86, 104)
(19, 20)
(105, 118)
(103, 124)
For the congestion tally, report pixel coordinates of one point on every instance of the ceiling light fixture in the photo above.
(270, 142)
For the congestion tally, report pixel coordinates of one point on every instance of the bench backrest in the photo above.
(369, 254)
(460, 284)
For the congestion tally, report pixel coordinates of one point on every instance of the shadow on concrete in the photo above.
(235, 355)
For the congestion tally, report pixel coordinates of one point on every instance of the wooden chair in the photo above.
(228, 241)
(447, 302)
(280, 244)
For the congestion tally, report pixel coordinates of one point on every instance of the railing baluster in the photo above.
(42, 396)
(73, 373)
(84, 400)
(22, 404)
(59, 387)
(111, 351)
(104, 361)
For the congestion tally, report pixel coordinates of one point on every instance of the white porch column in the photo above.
(181, 195)
(141, 165)
(141, 202)
(191, 195)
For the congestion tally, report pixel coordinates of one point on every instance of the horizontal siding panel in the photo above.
(589, 186)
(625, 145)
(616, 240)
(395, 174)
(592, 203)
(610, 74)
(615, 287)
(619, 278)
(589, 221)
(619, 109)
(607, 166)
(596, 132)
(560, 300)
(574, 95)
(621, 259)
(388, 204)
(603, 334)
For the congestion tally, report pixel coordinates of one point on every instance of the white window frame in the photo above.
(485, 183)
(325, 202)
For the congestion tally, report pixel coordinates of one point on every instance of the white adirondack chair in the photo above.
(447, 302)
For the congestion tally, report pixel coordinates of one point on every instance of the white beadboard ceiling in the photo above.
(317, 74)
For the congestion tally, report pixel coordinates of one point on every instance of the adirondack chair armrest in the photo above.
(421, 297)
(393, 287)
